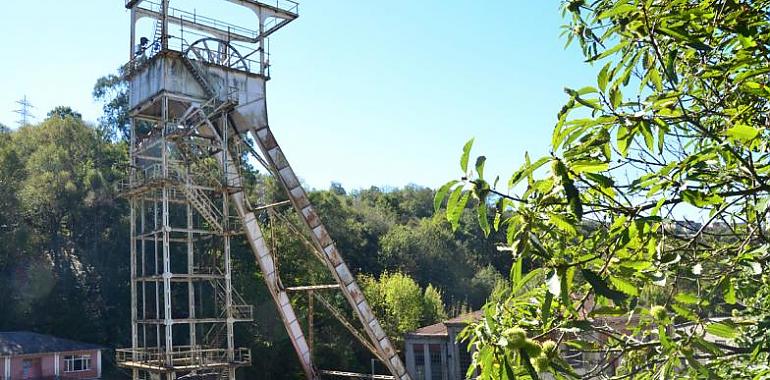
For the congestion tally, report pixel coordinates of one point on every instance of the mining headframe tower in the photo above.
(198, 113)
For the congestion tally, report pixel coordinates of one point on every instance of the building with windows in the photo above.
(434, 353)
(28, 355)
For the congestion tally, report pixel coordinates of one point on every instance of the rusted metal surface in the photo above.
(312, 287)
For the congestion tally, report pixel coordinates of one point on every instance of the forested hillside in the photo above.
(65, 250)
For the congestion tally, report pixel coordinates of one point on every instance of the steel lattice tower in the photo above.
(197, 107)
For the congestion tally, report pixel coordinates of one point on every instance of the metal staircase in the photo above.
(198, 75)
(204, 206)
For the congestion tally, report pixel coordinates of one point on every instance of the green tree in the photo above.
(674, 129)
(59, 220)
(112, 92)
(63, 112)
(401, 304)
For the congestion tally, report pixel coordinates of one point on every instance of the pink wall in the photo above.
(44, 366)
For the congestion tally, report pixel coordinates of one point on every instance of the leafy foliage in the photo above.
(61, 230)
(675, 130)
(402, 304)
(63, 112)
(112, 92)
(64, 235)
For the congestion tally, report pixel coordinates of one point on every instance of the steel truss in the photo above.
(188, 201)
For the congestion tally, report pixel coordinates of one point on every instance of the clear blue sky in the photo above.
(364, 93)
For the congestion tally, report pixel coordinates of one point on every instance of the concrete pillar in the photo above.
(7, 368)
(99, 364)
(57, 364)
(444, 363)
(426, 351)
(410, 359)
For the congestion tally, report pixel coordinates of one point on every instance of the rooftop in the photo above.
(440, 329)
(25, 342)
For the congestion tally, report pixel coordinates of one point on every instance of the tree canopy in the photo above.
(65, 247)
(402, 304)
(652, 205)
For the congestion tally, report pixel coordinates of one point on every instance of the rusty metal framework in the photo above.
(197, 106)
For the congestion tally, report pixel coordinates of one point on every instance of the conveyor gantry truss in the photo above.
(197, 107)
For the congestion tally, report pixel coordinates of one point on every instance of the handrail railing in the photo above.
(191, 17)
(183, 355)
(285, 5)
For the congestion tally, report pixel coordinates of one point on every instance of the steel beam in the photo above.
(132, 3)
(216, 32)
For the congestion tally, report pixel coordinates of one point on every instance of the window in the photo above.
(75, 363)
(436, 367)
(465, 359)
(26, 369)
(419, 361)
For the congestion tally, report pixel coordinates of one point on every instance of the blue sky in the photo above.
(364, 93)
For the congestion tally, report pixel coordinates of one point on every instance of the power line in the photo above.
(24, 111)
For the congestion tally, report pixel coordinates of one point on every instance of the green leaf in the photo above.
(562, 224)
(724, 329)
(636, 265)
(466, 154)
(526, 171)
(530, 369)
(609, 51)
(662, 129)
(624, 138)
(701, 199)
(751, 73)
(483, 220)
(729, 293)
(664, 340)
(545, 309)
(607, 310)
(616, 97)
(601, 287)
(684, 313)
(649, 139)
(742, 133)
(676, 33)
(587, 90)
(656, 79)
(620, 9)
(625, 286)
(590, 103)
(588, 166)
(441, 194)
(573, 199)
(687, 298)
(706, 346)
(480, 161)
(604, 77)
(455, 206)
(517, 270)
(564, 286)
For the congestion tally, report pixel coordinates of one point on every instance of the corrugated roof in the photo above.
(25, 342)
